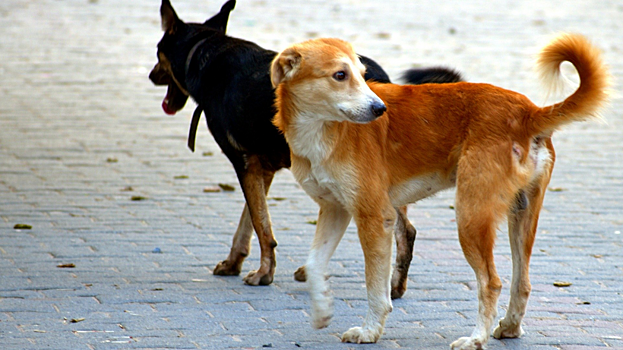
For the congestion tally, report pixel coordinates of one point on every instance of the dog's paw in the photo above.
(257, 278)
(507, 331)
(467, 343)
(322, 321)
(360, 335)
(227, 268)
(399, 289)
(300, 275)
(322, 313)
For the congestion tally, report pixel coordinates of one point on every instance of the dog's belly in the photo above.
(417, 188)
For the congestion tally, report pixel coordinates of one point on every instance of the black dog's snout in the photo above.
(378, 108)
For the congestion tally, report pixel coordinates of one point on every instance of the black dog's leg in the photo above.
(300, 275)
(405, 238)
(255, 181)
(240, 247)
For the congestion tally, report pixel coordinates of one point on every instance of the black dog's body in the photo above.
(231, 91)
(229, 79)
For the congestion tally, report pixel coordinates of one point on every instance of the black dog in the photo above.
(229, 79)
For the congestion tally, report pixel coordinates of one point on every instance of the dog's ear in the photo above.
(219, 21)
(284, 65)
(168, 17)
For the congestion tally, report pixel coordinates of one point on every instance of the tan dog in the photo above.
(494, 145)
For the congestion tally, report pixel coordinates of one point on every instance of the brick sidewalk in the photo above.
(82, 132)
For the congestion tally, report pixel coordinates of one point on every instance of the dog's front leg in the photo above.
(375, 233)
(405, 235)
(332, 222)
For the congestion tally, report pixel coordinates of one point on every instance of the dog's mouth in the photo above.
(165, 106)
(174, 100)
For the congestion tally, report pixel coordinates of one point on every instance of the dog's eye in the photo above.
(339, 76)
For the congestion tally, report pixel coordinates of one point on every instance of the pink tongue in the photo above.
(165, 107)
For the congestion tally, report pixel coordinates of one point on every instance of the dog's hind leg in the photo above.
(332, 222)
(522, 225)
(241, 244)
(240, 248)
(255, 181)
(477, 240)
(375, 233)
(405, 238)
(478, 212)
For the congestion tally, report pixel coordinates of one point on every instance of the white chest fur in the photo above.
(321, 185)
(313, 145)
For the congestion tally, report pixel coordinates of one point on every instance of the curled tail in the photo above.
(591, 95)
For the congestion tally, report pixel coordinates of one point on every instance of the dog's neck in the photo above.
(209, 45)
(191, 53)
(311, 136)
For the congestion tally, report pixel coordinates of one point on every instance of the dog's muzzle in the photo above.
(366, 112)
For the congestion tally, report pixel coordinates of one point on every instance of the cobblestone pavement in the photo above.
(82, 132)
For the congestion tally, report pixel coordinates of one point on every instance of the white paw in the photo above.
(359, 335)
(322, 313)
(467, 343)
(507, 331)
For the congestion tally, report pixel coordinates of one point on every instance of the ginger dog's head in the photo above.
(325, 77)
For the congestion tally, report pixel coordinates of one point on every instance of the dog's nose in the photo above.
(378, 108)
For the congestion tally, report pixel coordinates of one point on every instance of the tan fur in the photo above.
(494, 145)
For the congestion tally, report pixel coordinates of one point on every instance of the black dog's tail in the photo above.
(434, 75)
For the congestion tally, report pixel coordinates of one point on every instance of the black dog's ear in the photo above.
(219, 21)
(284, 65)
(168, 17)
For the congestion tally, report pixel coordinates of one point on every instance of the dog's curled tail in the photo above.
(591, 95)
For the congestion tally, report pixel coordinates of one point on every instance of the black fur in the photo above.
(436, 75)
